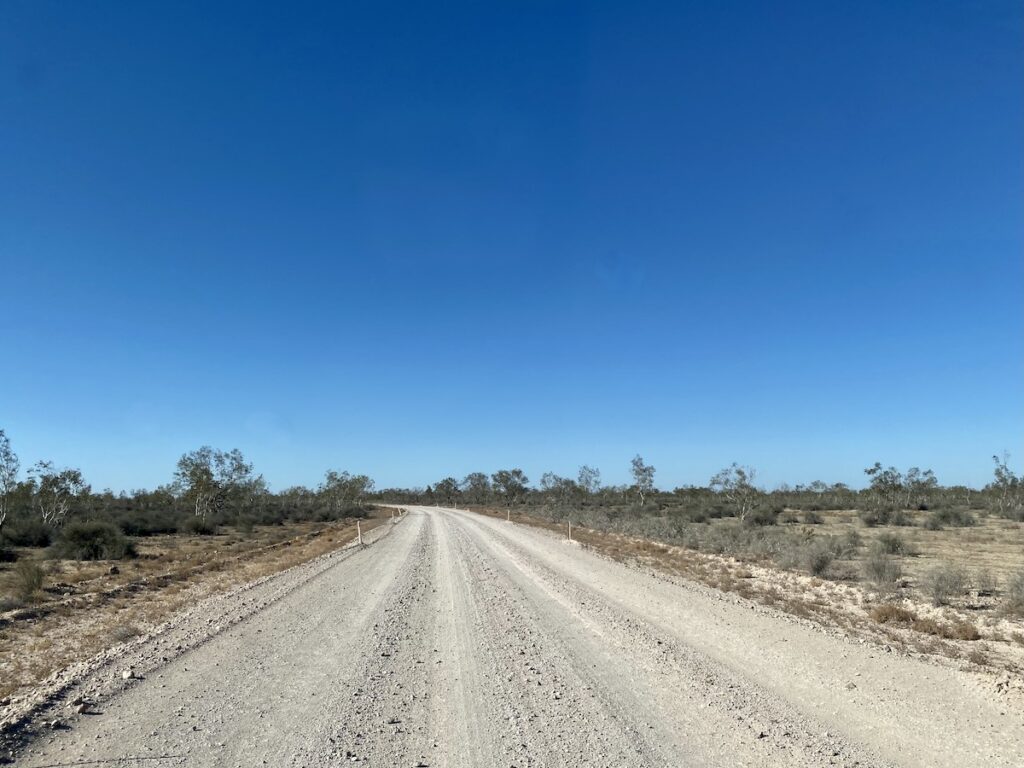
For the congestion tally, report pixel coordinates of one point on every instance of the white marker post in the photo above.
(359, 533)
(508, 515)
(570, 529)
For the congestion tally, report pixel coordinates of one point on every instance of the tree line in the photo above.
(210, 487)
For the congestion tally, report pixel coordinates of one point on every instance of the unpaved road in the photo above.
(461, 640)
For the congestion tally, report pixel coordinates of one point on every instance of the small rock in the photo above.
(84, 708)
(127, 674)
(113, 570)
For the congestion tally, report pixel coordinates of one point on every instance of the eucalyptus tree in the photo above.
(510, 484)
(1007, 487)
(342, 489)
(589, 480)
(209, 478)
(9, 466)
(886, 484)
(476, 487)
(643, 478)
(736, 485)
(448, 489)
(55, 490)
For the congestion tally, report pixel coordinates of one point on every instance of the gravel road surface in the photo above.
(463, 640)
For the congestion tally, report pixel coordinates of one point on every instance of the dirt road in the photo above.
(462, 640)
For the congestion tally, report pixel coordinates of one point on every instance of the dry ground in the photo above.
(84, 608)
(971, 632)
(459, 640)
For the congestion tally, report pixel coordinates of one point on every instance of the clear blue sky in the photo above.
(422, 239)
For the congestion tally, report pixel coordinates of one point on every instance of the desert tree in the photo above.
(918, 485)
(556, 488)
(342, 489)
(736, 485)
(9, 466)
(589, 480)
(55, 490)
(511, 485)
(208, 477)
(643, 478)
(886, 484)
(447, 489)
(1005, 485)
(476, 487)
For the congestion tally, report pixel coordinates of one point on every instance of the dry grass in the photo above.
(85, 608)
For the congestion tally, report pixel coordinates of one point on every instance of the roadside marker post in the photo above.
(570, 529)
(359, 533)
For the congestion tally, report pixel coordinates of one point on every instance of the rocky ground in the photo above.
(461, 640)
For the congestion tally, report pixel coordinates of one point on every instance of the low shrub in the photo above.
(893, 544)
(943, 582)
(92, 540)
(194, 525)
(887, 613)
(881, 570)
(963, 630)
(954, 517)
(813, 518)
(762, 517)
(149, 523)
(985, 582)
(851, 542)
(818, 557)
(27, 532)
(27, 579)
(1013, 596)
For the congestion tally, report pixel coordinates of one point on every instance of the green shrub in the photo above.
(195, 525)
(762, 517)
(92, 540)
(137, 522)
(943, 582)
(28, 532)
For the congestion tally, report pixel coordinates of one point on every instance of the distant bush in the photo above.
(985, 582)
(893, 544)
(943, 582)
(92, 540)
(149, 522)
(27, 532)
(1013, 597)
(7, 555)
(952, 517)
(851, 541)
(195, 525)
(881, 570)
(818, 557)
(762, 517)
(813, 518)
